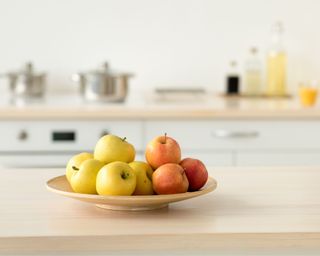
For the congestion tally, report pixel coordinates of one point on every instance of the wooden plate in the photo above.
(61, 186)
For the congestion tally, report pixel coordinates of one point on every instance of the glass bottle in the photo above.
(233, 80)
(276, 63)
(253, 73)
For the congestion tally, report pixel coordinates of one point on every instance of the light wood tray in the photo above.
(61, 186)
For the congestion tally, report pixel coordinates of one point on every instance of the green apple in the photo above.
(75, 163)
(83, 180)
(111, 148)
(116, 179)
(143, 173)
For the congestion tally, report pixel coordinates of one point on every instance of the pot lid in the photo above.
(105, 70)
(27, 70)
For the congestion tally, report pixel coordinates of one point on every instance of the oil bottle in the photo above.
(253, 73)
(276, 63)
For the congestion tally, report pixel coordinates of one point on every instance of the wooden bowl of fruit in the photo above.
(110, 178)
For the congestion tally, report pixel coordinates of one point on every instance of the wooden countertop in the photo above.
(253, 209)
(211, 106)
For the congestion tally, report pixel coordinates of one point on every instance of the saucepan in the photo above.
(25, 82)
(103, 85)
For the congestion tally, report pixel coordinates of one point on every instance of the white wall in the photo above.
(164, 42)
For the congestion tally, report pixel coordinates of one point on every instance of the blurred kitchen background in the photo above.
(167, 46)
(180, 42)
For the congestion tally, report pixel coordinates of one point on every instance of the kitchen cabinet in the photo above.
(245, 142)
(34, 159)
(222, 131)
(56, 136)
(278, 158)
(40, 143)
(216, 142)
(212, 158)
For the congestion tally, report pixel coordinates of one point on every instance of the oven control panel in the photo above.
(53, 143)
(64, 136)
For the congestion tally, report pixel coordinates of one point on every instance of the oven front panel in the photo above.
(52, 143)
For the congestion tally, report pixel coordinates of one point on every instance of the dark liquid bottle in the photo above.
(233, 80)
(233, 85)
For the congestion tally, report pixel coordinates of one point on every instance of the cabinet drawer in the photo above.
(211, 158)
(64, 135)
(35, 161)
(278, 158)
(194, 135)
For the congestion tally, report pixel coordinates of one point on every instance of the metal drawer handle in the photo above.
(224, 134)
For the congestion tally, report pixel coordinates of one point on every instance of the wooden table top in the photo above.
(252, 208)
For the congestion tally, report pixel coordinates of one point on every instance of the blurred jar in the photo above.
(308, 93)
(253, 73)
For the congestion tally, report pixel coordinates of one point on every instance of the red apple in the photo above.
(162, 150)
(196, 172)
(170, 179)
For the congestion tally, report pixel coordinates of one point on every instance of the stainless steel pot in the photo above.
(26, 83)
(103, 85)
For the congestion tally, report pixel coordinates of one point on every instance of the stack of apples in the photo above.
(112, 169)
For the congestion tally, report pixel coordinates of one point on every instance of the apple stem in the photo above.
(75, 168)
(124, 138)
(165, 138)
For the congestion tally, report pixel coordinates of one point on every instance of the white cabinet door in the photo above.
(290, 158)
(254, 142)
(212, 159)
(32, 160)
(239, 134)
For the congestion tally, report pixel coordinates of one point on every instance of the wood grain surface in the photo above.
(252, 209)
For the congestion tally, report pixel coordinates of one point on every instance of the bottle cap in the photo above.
(253, 50)
(233, 63)
(277, 28)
